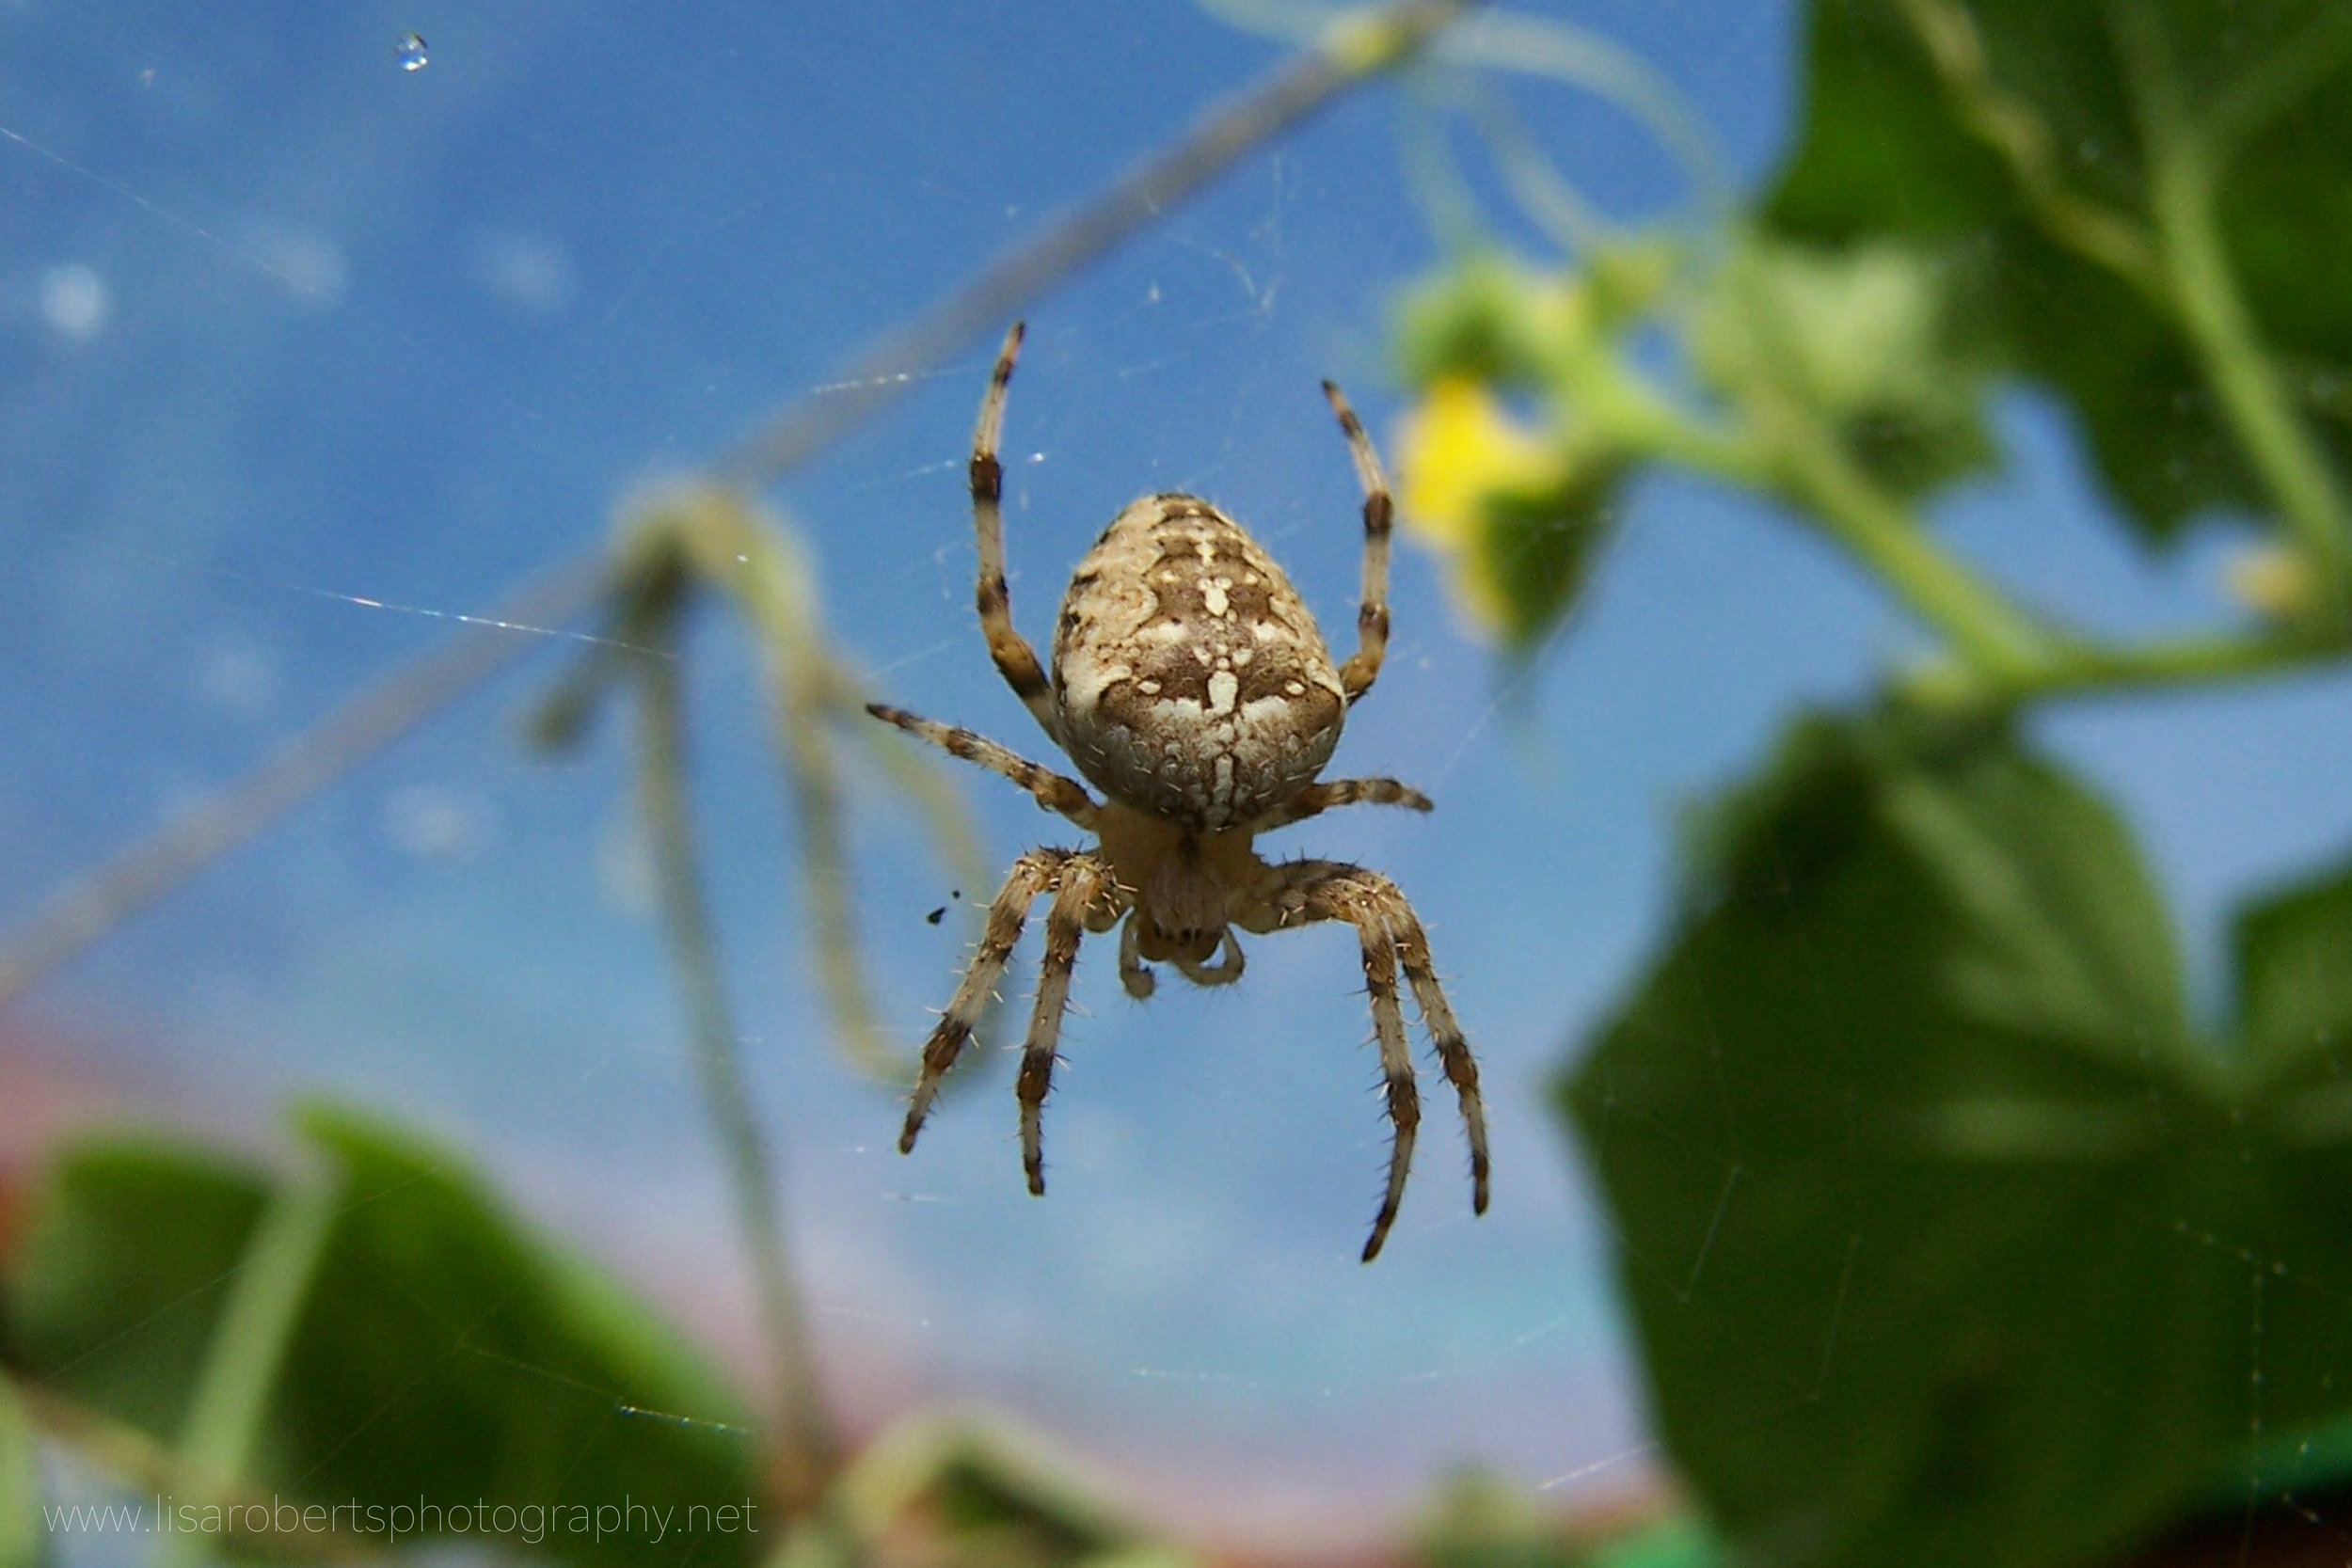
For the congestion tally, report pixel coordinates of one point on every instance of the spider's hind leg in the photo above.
(1303, 892)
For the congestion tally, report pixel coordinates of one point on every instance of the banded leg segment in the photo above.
(1015, 659)
(1032, 875)
(1086, 881)
(1305, 892)
(1372, 614)
(1315, 800)
(1398, 1091)
(1453, 1052)
(1054, 791)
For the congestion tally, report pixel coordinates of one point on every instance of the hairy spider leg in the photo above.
(1031, 874)
(1054, 791)
(1436, 1015)
(1317, 798)
(1372, 615)
(1011, 651)
(1087, 885)
(1305, 892)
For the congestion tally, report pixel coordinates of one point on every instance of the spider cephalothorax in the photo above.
(1191, 686)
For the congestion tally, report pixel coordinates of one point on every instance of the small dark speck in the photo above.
(955, 892)
(937, 915)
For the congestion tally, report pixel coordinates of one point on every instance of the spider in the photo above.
(1191, 686)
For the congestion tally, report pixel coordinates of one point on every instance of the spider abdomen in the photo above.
(1191, 679)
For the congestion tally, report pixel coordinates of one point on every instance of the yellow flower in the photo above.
(1458, 455)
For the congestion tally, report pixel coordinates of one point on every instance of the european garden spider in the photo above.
(1191, 684)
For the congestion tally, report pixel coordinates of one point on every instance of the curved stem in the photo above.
(2183, 188)
(1887, 536)
(806, 1450)
(2090, 669)
(250, 1342)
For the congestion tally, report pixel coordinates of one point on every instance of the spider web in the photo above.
(309, 353)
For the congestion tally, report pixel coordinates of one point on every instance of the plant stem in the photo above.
(2181, 190)
(806, 1450)
(249, 1343)
(1785, 450)
(2087, 668)
(1886, 536)
(2290, 463)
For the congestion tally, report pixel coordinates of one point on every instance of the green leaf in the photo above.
(1865, 338)
(21, 1543)
(443, 1352)
(1899, 146)
(1534, 548)
(1946, 1242)
(961, 1489)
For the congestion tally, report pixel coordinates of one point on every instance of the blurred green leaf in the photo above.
(21, 1543)
(444, 1354)
(1681, 1542)
(978, 1492)
(1898, 146)
(1483, 1521)
(1865, 338)
(1519, 516)
(1535, 547)
(1948, 1242)
(1494, 321)
(113, 1293)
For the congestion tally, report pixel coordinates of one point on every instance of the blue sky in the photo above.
(284, 326)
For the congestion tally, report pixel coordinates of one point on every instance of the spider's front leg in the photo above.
(1088, 897)
(1032, 875)
(1372, 614)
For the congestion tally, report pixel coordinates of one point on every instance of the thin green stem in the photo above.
(2096, 669)
(2183, 190)
(1826, 487)
(2017, 132)
(1786, 452)
(807, 1451)
(249, 1343)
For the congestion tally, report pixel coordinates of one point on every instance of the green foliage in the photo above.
(442, 1350)
(2024, 141)
(1523, 514)
(1865, 340)
(21, 1543)
(979, 1493)
(1480, 1521)
(1943, 1231)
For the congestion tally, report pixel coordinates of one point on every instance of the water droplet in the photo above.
(410, 52)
